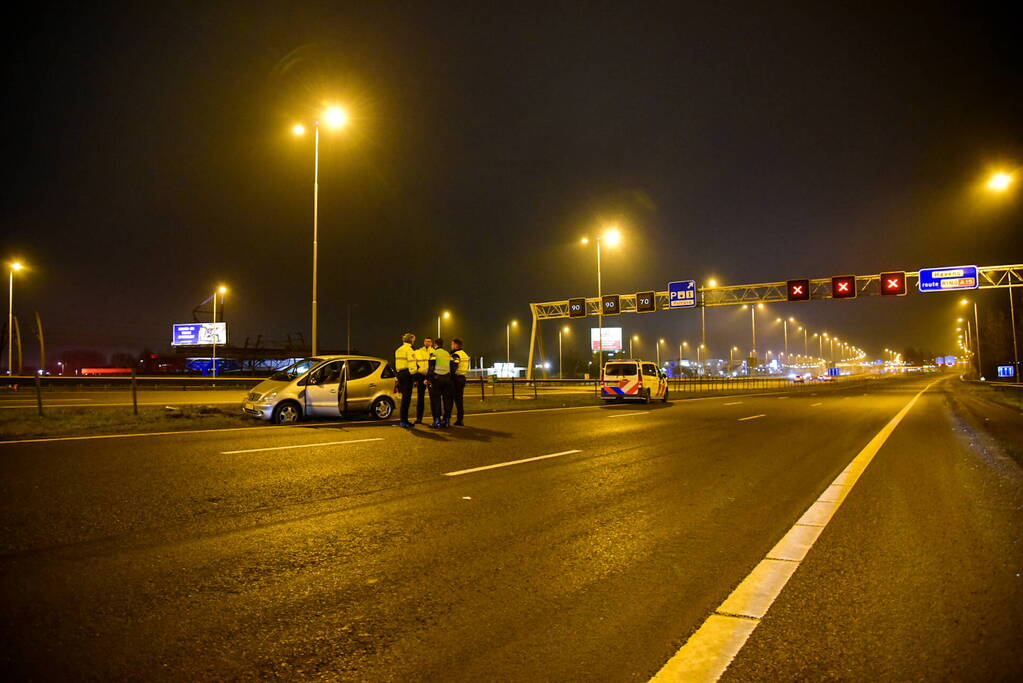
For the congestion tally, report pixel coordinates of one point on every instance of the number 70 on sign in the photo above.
(682, 294)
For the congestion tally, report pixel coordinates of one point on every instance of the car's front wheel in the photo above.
(382, 408)
(286, 413)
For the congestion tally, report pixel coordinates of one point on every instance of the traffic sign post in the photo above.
(682, 294)
(948, 279)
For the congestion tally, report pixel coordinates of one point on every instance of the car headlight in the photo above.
(268, 398)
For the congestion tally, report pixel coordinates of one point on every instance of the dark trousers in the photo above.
(440, 398)
(458, 393)
(419, 381)
(405, 388)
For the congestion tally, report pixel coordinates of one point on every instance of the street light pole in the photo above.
(316, 226)
(213, 334)
(976, 327)
(10, 319)
(1015, 348)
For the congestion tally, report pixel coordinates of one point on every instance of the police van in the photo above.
(633, 380)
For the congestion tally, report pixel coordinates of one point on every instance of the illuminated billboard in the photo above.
(199, 334)
(612, 339)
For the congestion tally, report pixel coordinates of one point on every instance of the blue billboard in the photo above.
(947, 279)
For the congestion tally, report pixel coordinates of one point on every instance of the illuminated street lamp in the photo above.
(711, 283)
(613, 237)
(513, 323)
(445, 315)
(731, 358)
(635, 338)
(565, 330)
(13, 268)
(1000, 181)
(334, 117)
(221, 290)
(659, 342)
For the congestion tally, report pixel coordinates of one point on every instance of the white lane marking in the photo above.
(709, 651)
(752, 417)
(814, 405)
(732, 403)
(301, 445)
(641, 412)
(33, 400)
(781, 397)
(127, 436)
(509, 463)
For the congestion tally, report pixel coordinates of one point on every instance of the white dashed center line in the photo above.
(509, 463)
(732, 403)
(752, 417)
(814, 405)
(303, 445)
(644, 412)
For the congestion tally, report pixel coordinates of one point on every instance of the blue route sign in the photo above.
(947, 279)
(682, 294)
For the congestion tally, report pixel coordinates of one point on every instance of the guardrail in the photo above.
(171, 382)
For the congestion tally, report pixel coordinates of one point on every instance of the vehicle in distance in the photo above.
(633, 379)
(324, 386)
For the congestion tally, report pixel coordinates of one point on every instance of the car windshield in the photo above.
(294, 370)
(620, 369)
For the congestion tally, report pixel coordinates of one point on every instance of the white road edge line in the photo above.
(814, 405)
(641, 412)
(752, 417)
(732, 403)
(710, 651)
(509, 463)
(301, 445)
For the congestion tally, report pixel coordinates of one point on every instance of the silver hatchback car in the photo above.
(325, 386)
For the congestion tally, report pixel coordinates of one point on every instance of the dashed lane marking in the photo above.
(732, 403)
(709, 651)
(814, 405)
(509, 463)
(752, 417)
(301, 445)
(642, 412)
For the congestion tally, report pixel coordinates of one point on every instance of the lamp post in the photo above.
(513, 323)
(12, 269)
(976, 332)
(659, 342)
(699, 363)
(445, 315)
(333, 117)
(613, 237)
(221, 290)
(731, 358)
(711, 283)
(561, 372)
(634, 337)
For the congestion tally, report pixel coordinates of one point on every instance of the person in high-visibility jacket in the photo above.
(419, 377)
(459, 375)
(440, 385)
(405, 364)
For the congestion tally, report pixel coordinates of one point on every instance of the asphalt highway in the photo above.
(574, 544)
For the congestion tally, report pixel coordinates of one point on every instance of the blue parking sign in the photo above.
(682, 294)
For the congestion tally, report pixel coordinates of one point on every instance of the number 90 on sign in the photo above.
(577, 307)
(610, 304)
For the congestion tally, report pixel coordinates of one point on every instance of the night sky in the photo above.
(149, 158)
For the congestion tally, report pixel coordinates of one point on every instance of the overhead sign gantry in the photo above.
(892, 283)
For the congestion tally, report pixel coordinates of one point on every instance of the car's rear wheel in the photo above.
(286, 413)
(382, 408)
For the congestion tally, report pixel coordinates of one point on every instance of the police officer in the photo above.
(405, 363)
(460, 363)
(440, 385)
(422, 369)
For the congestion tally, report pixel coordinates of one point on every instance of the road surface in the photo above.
(576, 544)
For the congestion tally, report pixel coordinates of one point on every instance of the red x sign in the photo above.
(798, 290)
(893, 283)
(843, 287)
